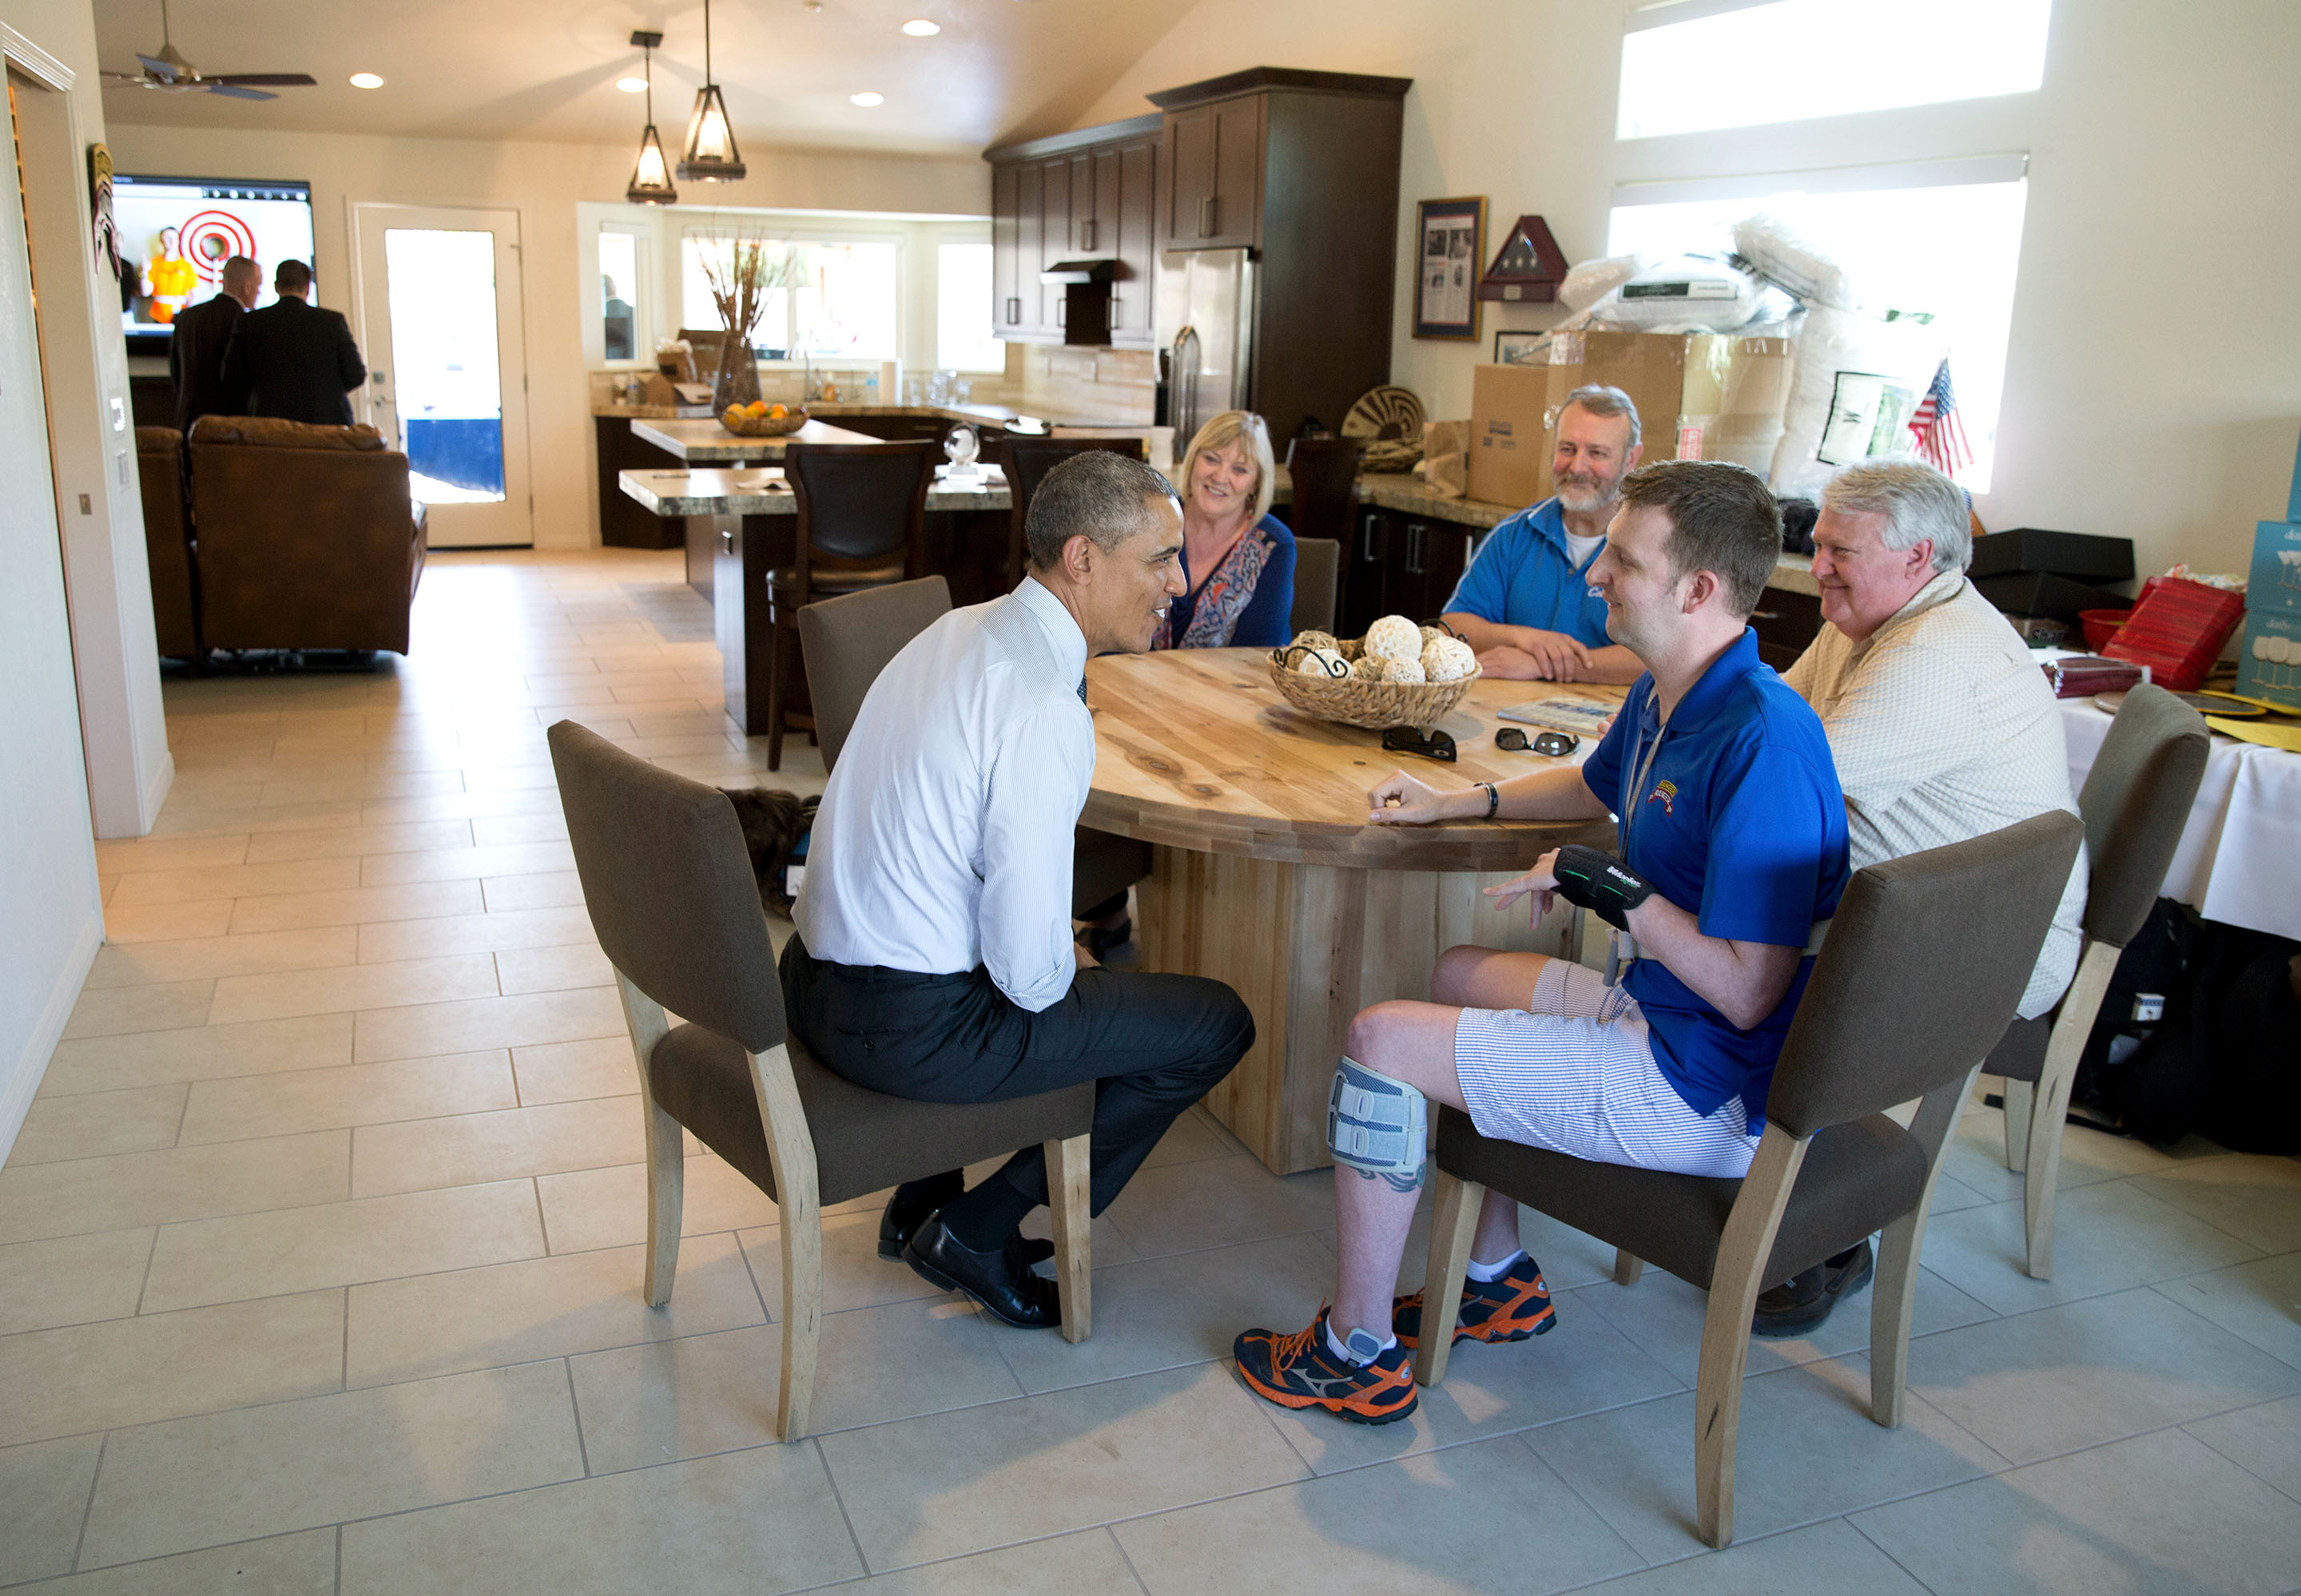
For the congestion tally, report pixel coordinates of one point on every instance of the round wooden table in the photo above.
(1265, 873)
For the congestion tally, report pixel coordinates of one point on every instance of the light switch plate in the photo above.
(120, 416)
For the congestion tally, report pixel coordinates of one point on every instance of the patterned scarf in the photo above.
(1224, 597)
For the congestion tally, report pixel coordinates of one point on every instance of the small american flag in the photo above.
(1940, 439)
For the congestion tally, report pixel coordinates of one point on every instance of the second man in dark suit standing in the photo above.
(201, 335)
(292, 359)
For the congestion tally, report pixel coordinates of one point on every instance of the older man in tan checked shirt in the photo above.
(1941, 725)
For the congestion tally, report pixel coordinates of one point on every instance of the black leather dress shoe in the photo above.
(1001, 1280)
(1803, 1300)
(901, 1219)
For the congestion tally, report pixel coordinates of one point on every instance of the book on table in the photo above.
(1584, 717)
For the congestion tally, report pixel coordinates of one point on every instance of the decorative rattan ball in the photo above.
(1317, 640)
(1403, 670)
(1394, 637)
(1322, 662)
(1369, 667)
(1447, 659)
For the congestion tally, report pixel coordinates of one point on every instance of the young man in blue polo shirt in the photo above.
(1732, 848)
(1526, 603)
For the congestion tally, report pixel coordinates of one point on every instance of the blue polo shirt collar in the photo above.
(1708, 694)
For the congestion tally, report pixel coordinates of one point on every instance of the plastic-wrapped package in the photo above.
(1685, 293)
(1786, 257)
(1856, 380)
(1592, 280)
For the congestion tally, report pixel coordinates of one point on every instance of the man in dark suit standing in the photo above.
(293, 359)
(202, 334)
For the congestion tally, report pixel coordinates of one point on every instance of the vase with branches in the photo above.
(739, 275)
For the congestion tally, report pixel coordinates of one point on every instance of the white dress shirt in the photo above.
(943, 840)
(1942, 729)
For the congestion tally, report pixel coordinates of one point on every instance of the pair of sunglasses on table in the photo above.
(1511, 740)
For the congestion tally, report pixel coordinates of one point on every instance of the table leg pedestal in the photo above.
(1308, 945)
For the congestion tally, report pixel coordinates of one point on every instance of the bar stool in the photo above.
(862, 523)
(1026, 462)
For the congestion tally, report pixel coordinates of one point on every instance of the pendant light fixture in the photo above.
(709, 154)
(650, 182)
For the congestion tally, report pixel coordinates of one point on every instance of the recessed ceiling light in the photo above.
(366, 80)
(920, 28)
(631, 84)
(868, 97)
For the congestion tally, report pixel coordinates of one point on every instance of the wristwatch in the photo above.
(1493, 799)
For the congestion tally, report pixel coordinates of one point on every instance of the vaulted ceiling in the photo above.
(547, 69)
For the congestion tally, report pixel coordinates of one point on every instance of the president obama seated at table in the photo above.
(1733, 837)
(933, 956)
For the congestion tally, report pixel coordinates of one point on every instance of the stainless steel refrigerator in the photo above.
(1206, 336)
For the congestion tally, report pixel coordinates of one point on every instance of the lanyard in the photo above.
(1640, 769)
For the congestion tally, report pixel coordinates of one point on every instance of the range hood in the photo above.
(1104, 271)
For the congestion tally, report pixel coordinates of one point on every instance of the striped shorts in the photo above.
(1573, 1072)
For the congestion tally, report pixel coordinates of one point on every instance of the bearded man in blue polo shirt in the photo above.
(1526, 603)
(1732, 848)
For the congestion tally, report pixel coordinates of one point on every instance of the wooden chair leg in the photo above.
(1627, 1267)
(666, 1159)
(1895, 1295)
(1735, 1283)
(790, 1152)
(1452, 1228)
(1069, 1174)
(2072, 1026)
(2021, 1097)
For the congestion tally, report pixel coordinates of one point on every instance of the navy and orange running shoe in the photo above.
(1509, 1309)
(1301, 1371)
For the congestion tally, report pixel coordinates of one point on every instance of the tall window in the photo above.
(964, 338)
(843, 304)
(1795, 60)
(619, 294)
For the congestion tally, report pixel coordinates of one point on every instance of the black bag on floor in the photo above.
(2225, 1058)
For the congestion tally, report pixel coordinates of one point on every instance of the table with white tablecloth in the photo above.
(2239, 861)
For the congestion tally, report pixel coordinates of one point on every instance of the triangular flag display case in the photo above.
(1528, 268)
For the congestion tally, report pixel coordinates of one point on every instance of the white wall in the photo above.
(108, 586)
(544, 182)
(2163, 163)
(54, 917)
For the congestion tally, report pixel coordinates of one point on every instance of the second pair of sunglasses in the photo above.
(1511, 740)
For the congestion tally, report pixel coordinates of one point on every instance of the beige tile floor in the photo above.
(319, 1265)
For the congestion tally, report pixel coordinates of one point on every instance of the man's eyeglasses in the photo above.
(1406, 739)
(1511, 740)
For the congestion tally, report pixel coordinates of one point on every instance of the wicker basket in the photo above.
(1354, 701)
(764, 426)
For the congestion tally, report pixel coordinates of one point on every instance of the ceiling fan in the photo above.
(170, 73)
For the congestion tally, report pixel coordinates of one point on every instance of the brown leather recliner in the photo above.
(168, 541)
(306, 536)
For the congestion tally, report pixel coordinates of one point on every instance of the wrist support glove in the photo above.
(1601, 883)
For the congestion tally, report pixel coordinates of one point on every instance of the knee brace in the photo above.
(1378, 1126)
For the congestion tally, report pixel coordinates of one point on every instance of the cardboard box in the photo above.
(2274, 582)
(1702, 395)
(2269, 657)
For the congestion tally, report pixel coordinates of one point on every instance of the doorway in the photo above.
(439, 294)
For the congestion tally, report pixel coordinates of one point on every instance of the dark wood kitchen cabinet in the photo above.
(1401, 565)
(1214, 155)
(1087, 196)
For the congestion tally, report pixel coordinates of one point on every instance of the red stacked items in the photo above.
(2082, 675)
(2178, 630)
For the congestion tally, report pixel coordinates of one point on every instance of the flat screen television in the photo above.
(176, 233)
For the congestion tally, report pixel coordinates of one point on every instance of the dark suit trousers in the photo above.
(1153, 1044)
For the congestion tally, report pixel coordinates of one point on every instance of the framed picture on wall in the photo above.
(1519, 349)
(1451, 244)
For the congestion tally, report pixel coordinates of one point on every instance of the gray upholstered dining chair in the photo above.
(2136, 801)
(1926, 959)
(671, 895)
(847, 641)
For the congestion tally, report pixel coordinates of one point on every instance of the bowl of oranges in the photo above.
(759, 419)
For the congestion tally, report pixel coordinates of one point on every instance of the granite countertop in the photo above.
(660, 412)
(760, 490)
(997, 416)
